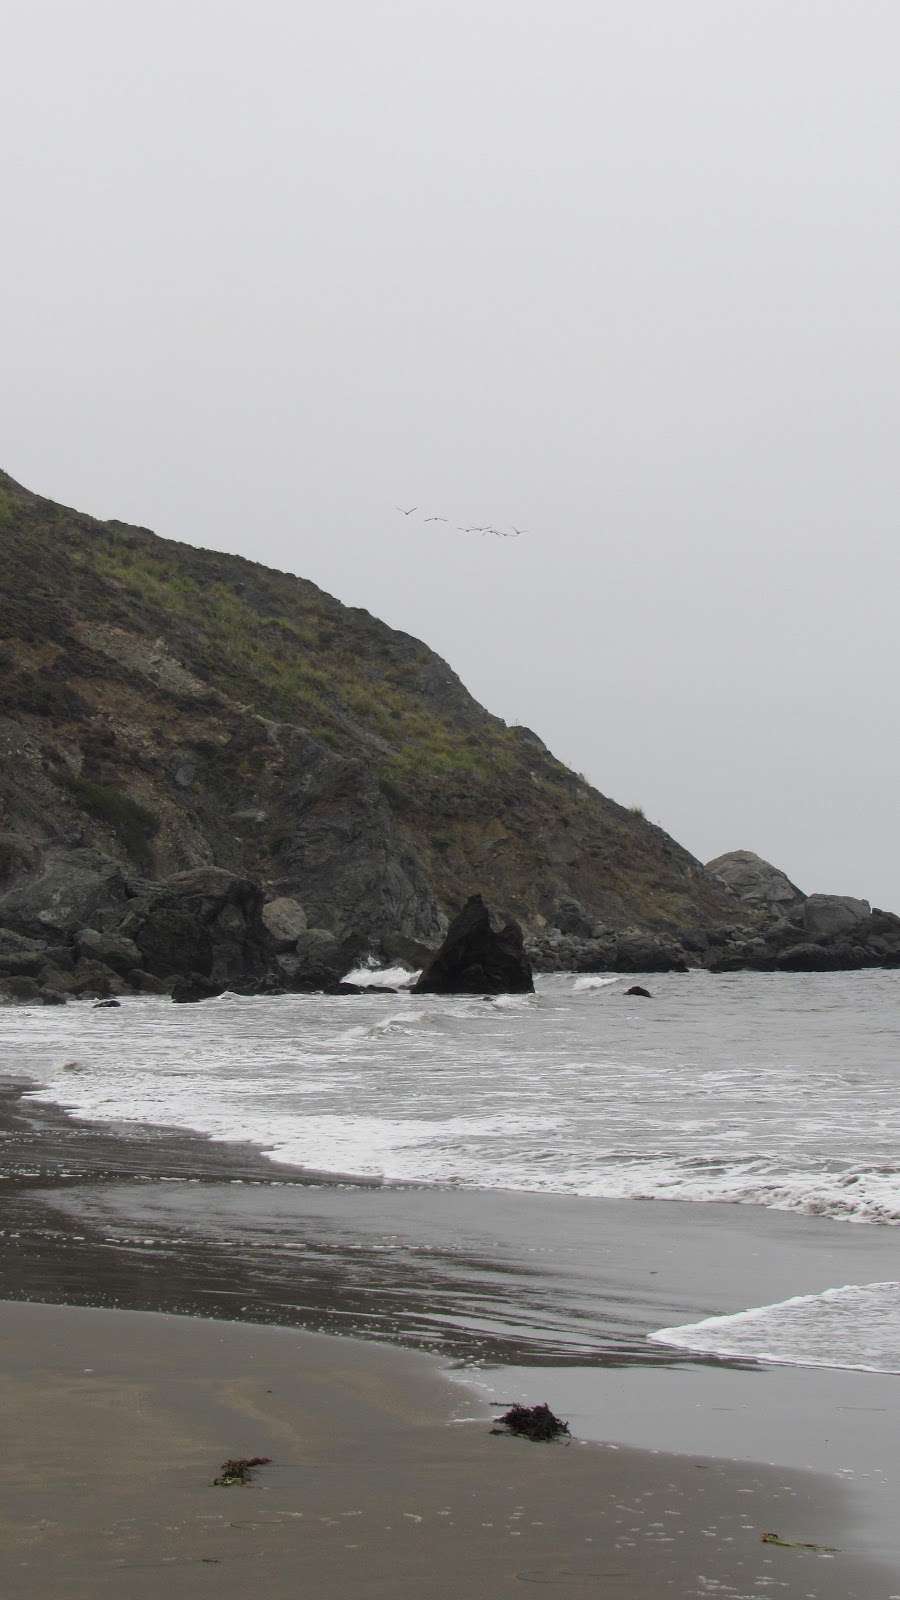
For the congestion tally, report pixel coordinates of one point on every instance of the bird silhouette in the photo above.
(436, 519)
(405, 512)
(516, 532)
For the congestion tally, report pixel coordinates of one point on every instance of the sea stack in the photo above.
(477, 958)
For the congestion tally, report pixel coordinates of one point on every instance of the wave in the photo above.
(592, 982)
(856, 1327)
(384, 977)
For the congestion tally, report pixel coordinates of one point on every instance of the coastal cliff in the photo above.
(178, 708)
(210, 767)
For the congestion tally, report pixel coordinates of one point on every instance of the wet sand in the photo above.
(139, 1217)
(116, 1423)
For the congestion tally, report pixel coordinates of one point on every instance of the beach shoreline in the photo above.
(52, 1165)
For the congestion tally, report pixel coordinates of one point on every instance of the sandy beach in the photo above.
(117, 1422)
(385, 1478)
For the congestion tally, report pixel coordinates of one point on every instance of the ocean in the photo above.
(773, 1092)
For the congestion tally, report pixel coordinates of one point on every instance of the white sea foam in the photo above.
(745, 1089)
(386, 977)
(856, 1326)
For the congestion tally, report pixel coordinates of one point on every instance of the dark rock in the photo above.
(18, 858)
(476, 958)
(110, 949)
(20, 988)
(103, 1005)
(51, 997)
(397, 951)
(570, 917)
(188, 990)
(642, 953)
(146, 983)
(806, 957)
(21, 957)
(73, 888)
(89, 978)
(206, 922)
(637, 990)
(344, 988)
(319, 960)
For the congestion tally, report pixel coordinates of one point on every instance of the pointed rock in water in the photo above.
(476, 958)
(636, 989)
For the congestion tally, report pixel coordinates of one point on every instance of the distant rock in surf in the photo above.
(477, 958)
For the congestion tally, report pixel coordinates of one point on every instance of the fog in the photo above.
(624, 276)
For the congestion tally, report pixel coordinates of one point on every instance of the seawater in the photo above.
(762, 1090)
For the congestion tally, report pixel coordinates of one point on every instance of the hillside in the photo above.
(178, 708)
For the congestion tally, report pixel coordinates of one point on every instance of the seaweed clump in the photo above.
(532, 1422)
(239, 1470)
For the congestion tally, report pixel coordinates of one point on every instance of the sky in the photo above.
(623, 275)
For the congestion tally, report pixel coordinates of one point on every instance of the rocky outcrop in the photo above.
(841, 944)
(608, 951)
(207, 922)
(762, 887)
(74, 888)
(318, 961)
(826, 915)
(478, 958)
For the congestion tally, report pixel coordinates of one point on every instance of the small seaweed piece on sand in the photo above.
(238, 1470)
(798, 1544)
(533, 1422)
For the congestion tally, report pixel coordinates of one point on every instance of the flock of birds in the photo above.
(512, 532)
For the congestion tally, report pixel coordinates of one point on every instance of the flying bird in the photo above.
(436, 519)
(409, 512)
(516, 532)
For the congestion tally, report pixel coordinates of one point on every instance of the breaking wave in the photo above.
(855, 1327)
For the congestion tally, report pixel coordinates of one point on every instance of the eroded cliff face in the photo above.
(177, 708)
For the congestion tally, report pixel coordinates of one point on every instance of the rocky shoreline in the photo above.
(81, 925)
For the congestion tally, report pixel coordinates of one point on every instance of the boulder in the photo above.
(206, 922)
(825, 915)
(111, 949)
(27, 991)
(478, 958)
(637, 952)
(87, 977)
(398, 951)
(319, 960)
(285, 920)
(570, 917)
(807, 957)
(20, 957)
(145, 982)
(73, 890)
(643, 994)
(21, 988)
(762, 886)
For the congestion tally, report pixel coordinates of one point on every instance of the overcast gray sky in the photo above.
(625, 274)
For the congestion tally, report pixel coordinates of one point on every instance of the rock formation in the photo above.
(756, 882)
(478, 957)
